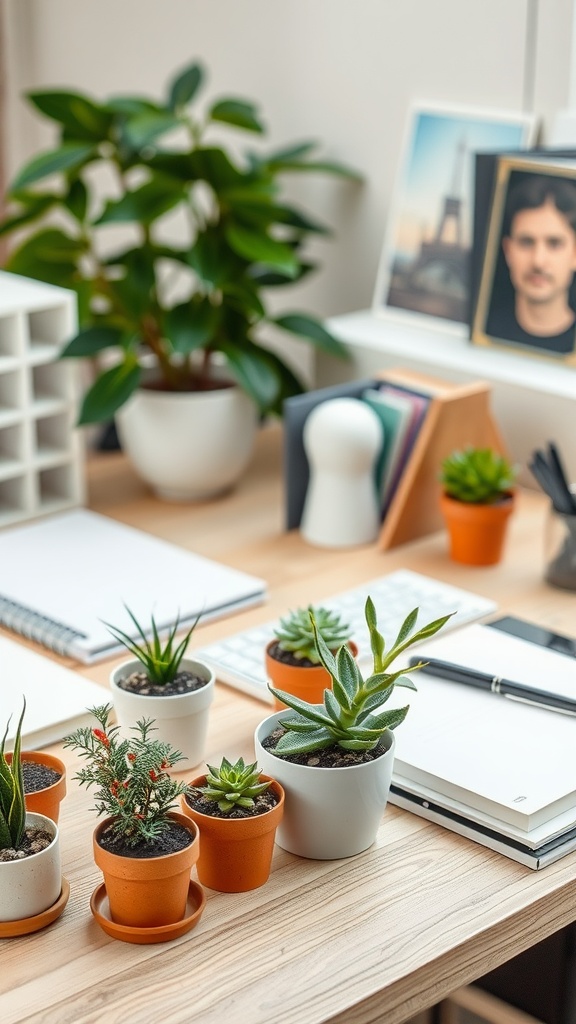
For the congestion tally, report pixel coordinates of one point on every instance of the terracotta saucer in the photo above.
(163, 933)
(26, 925)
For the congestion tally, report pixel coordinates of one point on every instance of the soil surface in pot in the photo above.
(183, 682)
(34, 840)
(175, 837)
(288, 658)
(262, 802)
(329, 757)
(38, 776)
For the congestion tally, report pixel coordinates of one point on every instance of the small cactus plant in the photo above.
(233, 785)
(295, 633)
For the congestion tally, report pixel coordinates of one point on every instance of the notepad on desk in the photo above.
(64, 577)
(504, 760)
(57, 699)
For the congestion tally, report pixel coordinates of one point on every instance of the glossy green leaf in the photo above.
(34, 210)
(214, 165)
(262, 249)
(81, 116)
(320, 167)
(237, 113)
(184, 87)
(310, 328)
(67, 157)
(142, 129)
(109, 392)
(245, 298)
(50, 256)
(91, 341)
(252, 371)
(190, 325)
(144, 204)
(77, 200)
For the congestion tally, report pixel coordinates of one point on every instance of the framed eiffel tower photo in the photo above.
(424, 271)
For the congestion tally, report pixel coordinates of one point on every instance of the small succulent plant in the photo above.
(131, 776)
(351, 715)
(12, 807)
(161, 661)
(477, 475)
(233, 785)
(294, 632)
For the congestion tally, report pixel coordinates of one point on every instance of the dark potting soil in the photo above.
(184, 682)
(288, 658)
(329, 757)
(34, 840)
(175, 837)
(262, 802)
(38, 776)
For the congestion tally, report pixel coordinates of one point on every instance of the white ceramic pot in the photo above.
(188, 445)
(328, 812)
(180, 720)
(32, 885)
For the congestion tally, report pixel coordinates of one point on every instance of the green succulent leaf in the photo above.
(303, 743)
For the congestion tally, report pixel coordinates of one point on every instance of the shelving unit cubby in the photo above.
(41, 451)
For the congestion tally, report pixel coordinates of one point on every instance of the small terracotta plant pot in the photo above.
(477, 532)
(148, 892)
(306, 682)
(236, 853)
(45, 801)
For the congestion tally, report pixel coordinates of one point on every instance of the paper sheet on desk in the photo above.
(510, 760)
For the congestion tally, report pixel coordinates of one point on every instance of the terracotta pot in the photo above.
(236, 853)
(45, 801)
(330, 812)
(147, 892)
(30, 886)
(477, 532)
(306, 682)
(180, 720)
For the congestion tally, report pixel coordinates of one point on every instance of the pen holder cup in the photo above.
(560, 549)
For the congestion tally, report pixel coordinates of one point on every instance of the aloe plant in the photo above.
(351, 714)
(295, 634)
(477, 475)
(233, 785)
(12, 807)
(161, 660)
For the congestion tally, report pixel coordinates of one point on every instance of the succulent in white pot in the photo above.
(335, 759)
(159, 682)
(30, 865)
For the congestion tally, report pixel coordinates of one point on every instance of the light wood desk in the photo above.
(373, 938)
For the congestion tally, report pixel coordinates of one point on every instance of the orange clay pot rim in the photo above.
(234, 821)
(349, 643)
(48, 761)
(177, 816)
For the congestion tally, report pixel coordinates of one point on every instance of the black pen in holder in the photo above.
(560, 549)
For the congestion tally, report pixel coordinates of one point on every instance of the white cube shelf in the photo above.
(41, 450)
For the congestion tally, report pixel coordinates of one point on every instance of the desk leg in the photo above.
(568, 1001)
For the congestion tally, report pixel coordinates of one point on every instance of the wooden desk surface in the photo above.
(373, 938)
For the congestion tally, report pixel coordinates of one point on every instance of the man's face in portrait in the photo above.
(541, 253)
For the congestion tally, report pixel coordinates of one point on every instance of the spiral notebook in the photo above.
(64, 577)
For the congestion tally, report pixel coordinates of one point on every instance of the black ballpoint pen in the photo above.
(495, 684)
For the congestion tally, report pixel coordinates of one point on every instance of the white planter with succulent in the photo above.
(164, 685)
(334, 760)
(31, 881)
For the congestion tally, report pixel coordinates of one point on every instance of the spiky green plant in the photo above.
(12, 808)
(161, 661)
(350, 716)
(233, 785)
(131, 776)
(294, 632)
(477, 475)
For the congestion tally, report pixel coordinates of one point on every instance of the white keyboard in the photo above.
(239, 658)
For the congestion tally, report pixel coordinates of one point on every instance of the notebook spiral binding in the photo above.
(43, 630)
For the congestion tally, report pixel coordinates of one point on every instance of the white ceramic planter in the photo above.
(32, 885)
(328, 812)
(188, 446)
(181, 720)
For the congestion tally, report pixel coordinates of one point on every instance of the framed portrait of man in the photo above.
(527, 294)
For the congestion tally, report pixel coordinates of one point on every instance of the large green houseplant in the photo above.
(185, 296)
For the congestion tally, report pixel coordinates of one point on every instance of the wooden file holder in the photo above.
(458, 415)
